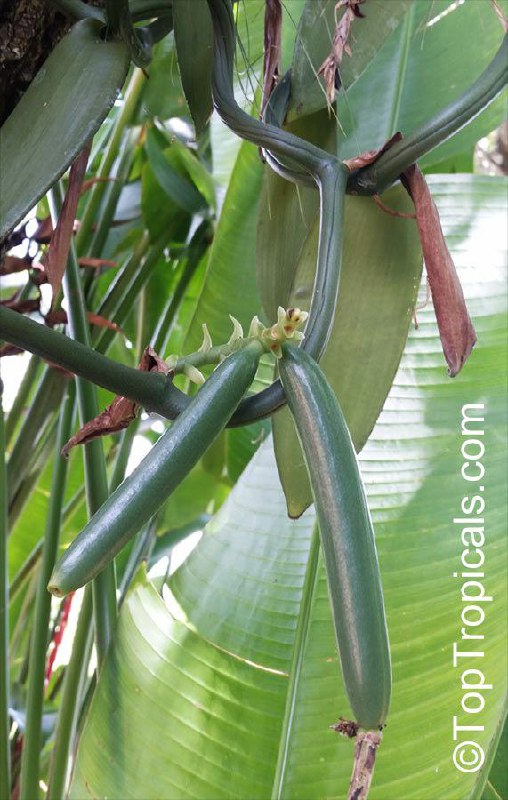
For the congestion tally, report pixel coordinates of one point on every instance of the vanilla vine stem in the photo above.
(377, 177)
(153, 391)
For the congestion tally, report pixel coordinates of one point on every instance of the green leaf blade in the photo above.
(314, 43)
(194, 40)
(64, 106)
(381, 270)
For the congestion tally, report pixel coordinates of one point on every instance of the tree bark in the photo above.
(29, 30)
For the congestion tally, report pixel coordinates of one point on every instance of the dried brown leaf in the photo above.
(55, 260)
(59, 317)
(456, 330)
(121, 412)
(117, 416)
(44, 231)
(22, 306)
(329, 69)
(371, 156)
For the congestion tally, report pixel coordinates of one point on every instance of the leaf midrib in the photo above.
(406, 28)
(295, 671)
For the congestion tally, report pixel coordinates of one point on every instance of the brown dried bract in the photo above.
(456, 330)
(44, 231)
(329, 69)
(371, 156)
(21, 306)
(346, 727)
(55, 260)
(59, 317)
(121, 412)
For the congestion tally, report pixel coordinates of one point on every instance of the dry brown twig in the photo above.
(329, 69)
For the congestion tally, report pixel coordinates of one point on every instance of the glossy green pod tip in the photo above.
(166, 465)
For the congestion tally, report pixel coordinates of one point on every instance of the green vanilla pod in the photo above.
(165, 466)
(347, 537)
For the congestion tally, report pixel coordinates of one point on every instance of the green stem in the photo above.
(332, 188)
(132, 96)
(29, 779)
(5, 753)
(120, 22)
(112, 192)
(75, 675)
(196, 250)
(141, 546)
(38, 461)
(21, 398)
(104, 586)
(152, 390)
(26, 569)
(128, 299)
(123, 456)
(377, 177)
(46, 400)
(329, 175)
(22, 626)
(116, 291)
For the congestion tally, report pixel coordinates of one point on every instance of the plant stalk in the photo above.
(151, 390)
(112, 300)
(75, 675)
(377, 177)
(46, 399)
(21, 398)
(29, 778)
(5, 752)
(366, 747)
(104, 586)
(132, 292)
(113, 190)
(132, 96)
(196, 249)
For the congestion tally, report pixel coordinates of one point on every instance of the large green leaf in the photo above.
(167, 169)
(160, 213)
(228, 689)
(421, 68)
(229, 286)
(163, 94)
(380, 275)
(61, 110)
(314, 43)
(193, 39)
